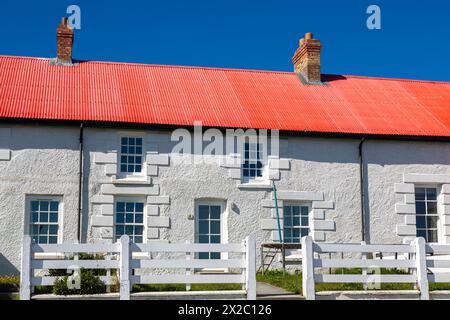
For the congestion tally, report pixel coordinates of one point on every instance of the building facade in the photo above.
(93, 153)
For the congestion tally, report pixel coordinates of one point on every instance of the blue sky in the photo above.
(414, 41)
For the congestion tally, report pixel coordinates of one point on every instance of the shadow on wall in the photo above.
(6, 268)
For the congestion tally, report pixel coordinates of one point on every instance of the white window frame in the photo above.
(264, 173)
(299, 204)
(223, 221)
(144, 220)
(131, 175)
(27, 220)
(440, 236)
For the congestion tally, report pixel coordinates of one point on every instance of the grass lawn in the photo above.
(292, 282)
(182, 287)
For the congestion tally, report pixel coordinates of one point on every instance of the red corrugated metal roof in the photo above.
(30, 88)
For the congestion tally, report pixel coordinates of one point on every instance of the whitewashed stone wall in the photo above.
(322, 172)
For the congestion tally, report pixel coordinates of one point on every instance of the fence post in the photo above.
(250, 266)
(25, 269)
(421, 263)
(308, 268)
(188, 270)
(364, 270)
(125, 267)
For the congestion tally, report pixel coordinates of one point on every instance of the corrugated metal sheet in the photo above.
(152, 94)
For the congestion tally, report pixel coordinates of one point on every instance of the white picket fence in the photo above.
(423, 263)
(131, 259)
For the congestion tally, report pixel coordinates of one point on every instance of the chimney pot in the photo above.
(308, 36)
(306, 59)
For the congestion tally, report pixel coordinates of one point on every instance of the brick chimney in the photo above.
(64, 42)
(306, 59)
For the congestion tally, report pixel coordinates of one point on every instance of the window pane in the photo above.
(432, 236)
(34, 205)
(203, 212)
(304, 211)
(53, 229)
(120, 207)
(203, 227)
(203, 255)
(52, 239)
(129, 207)
(129, 230)
(295, 210)
(215, 255)
(296, 221)
(124, 140)
(215, 212)
(431, 194)
(420, 207)
(432, 207)
(54, 206)
(137, 239)
(288, 232)
(139, 218)
(304, 221)
(420, 193)
(296, 233)
(422, 233)
(129, 218)
(120, 230)
(42, 239)
(120, 218)
(287, 221)
(138, 230)
(43, 205)
(432, 222)
(34, 217)
(215, 227)
(43, 217)
(215, 239)
(139, 141)
(139, 207)
(287, 210)
(420, 221)
(203, 239)
(53, 217)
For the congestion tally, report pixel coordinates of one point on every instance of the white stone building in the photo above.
(358, 157)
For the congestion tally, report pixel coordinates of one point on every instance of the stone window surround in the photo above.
(319, 225)
(407, 207)
(132, 187)
(27, 219)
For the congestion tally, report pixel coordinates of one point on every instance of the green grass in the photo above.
(292, 282)
(182, 287)
(9, 283)
(11, 296)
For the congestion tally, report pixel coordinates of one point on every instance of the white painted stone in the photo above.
(101, 158)
(410, 198)
(102, 199)
(152, 170)
(275, 236)
(319, 236)
(446, 220)
(323, 225)
(110, 168)
(158, 221)
(152, 210)
(158, 199)
(269, 224)
(404, 188)
(107, 232)
(282, 164)
(319, 214)
(404, 230)
(323, 204)
(402, 208)
(410, 219)
(446, 199)
(158, 159)
(129, 190)
(107, 209)
(102, 221)
(274, 174)
(446, 231)
(300, 195)
(273, 212)
(5, 154)
(446, 188)
(234, 173)
(426, 178)
(152, 233)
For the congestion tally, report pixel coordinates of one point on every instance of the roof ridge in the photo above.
(233, 69)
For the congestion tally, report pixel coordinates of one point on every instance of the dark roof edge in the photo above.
(164, 127)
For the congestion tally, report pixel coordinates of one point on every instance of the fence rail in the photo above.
(35, 257)
(423, 263)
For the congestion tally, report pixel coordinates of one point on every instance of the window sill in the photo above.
(132, 180)
(255, 185)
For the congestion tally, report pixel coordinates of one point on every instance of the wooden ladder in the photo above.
(267, 258)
